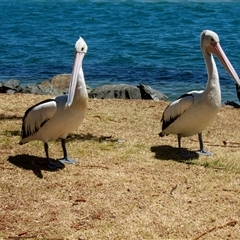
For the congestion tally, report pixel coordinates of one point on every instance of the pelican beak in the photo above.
(218, 51)
(77, 65)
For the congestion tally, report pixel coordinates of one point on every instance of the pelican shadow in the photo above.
(165, 152)
(37, 164)
(30, 162)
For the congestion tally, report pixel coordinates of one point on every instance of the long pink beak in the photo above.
(218, 51)
(77, 65)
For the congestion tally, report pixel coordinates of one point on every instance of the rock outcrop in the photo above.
(59, 84)
(121, 91)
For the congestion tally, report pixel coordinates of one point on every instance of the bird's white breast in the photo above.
(194, 120)
(64, 121)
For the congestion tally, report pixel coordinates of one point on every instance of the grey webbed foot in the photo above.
(65, 159)
(68, 161)
(204, 153)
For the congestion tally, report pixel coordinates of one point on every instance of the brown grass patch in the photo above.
(129, 183)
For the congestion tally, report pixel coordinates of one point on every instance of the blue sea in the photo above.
(132, 42)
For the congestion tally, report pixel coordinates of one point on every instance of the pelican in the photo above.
(55, 118)
(192, 112)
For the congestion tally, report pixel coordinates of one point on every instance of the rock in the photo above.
(48, 89)
(32, 88)
(10, 86)
(59, 85)
(121, 91)
(10, 91)
(56, 86)
(233, 104)
(238, 91)
(61, 82)
(149, 93)
(44, 88)
(1, 87)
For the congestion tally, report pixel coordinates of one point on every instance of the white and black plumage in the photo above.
(55, 118)
(193, 112)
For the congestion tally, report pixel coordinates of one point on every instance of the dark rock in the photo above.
(45, 88)
(233, 104)
(238, 91)
(149, 93)
(10, 86)
(58, 85)
(121, 91)
(48, 89)
(1, 87)
(32, 88)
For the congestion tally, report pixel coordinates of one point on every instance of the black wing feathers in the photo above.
(25, 131)
(166, 123)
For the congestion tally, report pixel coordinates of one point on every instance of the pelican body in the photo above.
(193, 112)
(55, 118)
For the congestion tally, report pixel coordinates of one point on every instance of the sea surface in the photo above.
(132, 42)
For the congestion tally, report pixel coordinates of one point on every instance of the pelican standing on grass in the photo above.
(192, 112)
(54, 118)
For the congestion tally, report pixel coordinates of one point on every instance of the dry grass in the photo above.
(129, 183)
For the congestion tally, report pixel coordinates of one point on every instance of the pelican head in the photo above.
(81, 46)
(80, 51)
(208, 37)
(210, 44)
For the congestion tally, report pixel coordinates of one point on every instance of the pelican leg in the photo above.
(65, 158)
(179, 143)
(54, 165)
(181, 152)
(202, 151)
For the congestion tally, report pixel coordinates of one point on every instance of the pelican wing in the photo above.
(176, 109)
(36, 116)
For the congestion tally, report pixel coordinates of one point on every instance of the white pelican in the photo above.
(54, 118)
(192, 112)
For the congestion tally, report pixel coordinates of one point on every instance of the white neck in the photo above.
(81, 94)
(212, 91)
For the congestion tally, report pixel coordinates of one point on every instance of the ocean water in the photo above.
(132, 42)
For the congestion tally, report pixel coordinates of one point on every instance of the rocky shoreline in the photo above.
(58, 85)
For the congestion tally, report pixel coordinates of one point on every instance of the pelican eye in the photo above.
(82, 48)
